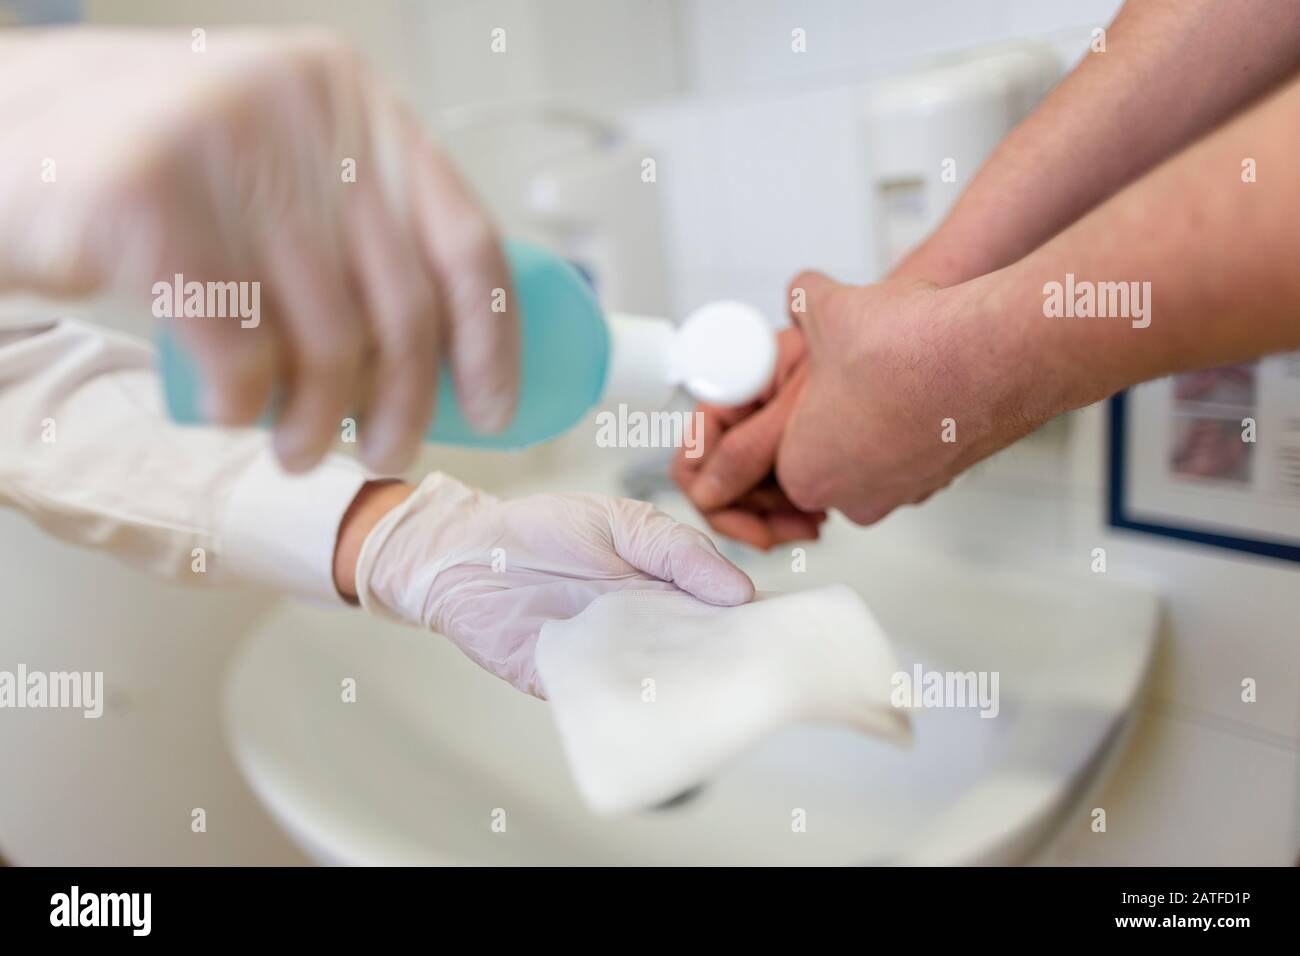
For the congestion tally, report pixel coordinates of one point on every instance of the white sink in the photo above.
(417, 770)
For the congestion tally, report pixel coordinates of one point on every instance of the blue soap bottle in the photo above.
(573, 358)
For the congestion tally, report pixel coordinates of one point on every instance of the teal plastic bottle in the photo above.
(565, 355)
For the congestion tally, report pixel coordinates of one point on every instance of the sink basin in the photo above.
(437, 762)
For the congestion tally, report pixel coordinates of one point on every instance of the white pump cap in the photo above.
(724, 353)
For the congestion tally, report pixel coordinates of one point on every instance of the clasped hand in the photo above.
(883, 394)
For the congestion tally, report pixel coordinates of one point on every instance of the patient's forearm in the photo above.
(1219, 254)
(1172, 70)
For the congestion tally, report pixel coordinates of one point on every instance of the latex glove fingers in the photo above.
(488, 573)
(279, 163)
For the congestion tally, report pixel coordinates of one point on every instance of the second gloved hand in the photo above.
(488, 573)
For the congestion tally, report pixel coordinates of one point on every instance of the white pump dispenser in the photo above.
(723, 354)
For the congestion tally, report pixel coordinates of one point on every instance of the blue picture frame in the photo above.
(1117, 510)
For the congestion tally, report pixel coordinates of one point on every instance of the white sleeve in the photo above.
(87, 451)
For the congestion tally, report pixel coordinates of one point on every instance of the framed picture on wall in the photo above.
(1212, 457)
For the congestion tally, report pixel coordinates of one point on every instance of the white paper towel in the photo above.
(653, 690)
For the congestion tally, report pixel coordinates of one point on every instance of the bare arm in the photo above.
(1172, 70)
(1214, 258)
(1220, 255)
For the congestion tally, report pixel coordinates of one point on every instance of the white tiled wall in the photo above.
(742, 47)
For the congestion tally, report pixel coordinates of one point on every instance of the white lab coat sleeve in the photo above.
(87, 452)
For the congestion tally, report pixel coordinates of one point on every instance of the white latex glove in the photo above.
(488, 573)
(128, 157)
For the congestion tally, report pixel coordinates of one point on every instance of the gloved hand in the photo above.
(279, 158)
(488, 573)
